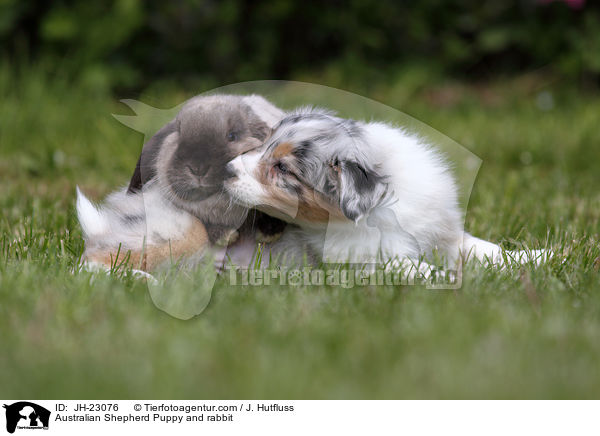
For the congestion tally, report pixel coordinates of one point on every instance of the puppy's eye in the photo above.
(232, 136)
(281, 167)
(335, 165)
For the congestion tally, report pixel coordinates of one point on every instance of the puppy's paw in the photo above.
(221, 236)
(228, 237)
(267, 238)
(411, 269)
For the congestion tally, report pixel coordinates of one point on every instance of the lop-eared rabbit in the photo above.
(175, 205)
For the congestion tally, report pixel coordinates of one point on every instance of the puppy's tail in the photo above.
(92, 221)
(492, 254)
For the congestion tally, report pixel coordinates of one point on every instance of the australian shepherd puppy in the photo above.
(358, 192)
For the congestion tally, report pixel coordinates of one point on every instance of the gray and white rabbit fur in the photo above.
(175, 204)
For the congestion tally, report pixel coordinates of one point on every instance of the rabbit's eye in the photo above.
(232, 136)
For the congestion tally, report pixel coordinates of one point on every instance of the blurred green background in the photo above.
(515, 82)
(130, 44)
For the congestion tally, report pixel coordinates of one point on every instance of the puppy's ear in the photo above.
(145, 168)
(360, 188)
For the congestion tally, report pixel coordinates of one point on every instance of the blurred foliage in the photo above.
(129, 43)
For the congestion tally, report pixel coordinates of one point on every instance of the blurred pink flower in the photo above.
(573, 4)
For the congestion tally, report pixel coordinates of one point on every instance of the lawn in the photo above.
(526, 333)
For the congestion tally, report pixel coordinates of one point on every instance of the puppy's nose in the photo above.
(230, 171)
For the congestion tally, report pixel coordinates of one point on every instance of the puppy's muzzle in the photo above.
(234, 168)
(230, 171)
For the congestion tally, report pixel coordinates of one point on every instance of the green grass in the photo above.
(532, 333)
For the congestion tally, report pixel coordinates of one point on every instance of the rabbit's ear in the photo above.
(145, 169)
(270, 114)
(135, 184)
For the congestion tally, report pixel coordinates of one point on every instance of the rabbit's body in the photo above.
(175, 205)
(142, 228)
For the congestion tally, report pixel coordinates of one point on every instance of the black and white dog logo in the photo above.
(26, 415)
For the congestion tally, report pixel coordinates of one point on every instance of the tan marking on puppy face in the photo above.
(315, 209)
(305, 204)
(283, 149)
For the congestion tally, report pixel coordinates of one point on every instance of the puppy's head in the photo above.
(189, 154)
(315, 167)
